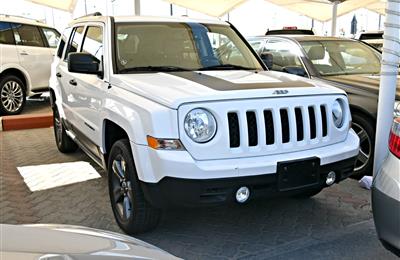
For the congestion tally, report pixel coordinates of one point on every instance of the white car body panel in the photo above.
(388, 178)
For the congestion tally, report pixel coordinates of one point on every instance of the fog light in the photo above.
(242, 194)
(330, 178)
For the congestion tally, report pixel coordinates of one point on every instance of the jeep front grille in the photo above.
(292, 123)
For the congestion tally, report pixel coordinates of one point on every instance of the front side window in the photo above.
(180, 46)
(342, 57)
(93, 41)
(284, 53)
(6, 34)
(52, 36)
(27, 35)
(63, 41)
(74, 41)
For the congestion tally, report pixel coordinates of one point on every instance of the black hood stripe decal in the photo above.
(224, 85)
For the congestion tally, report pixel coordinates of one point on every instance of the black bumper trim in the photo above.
(170, 192)
(386, 211)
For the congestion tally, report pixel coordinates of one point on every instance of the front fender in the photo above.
(139, 116)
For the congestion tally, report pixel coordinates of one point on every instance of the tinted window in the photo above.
(180, 46)
(63, 41)
(74, 41)
(93, 41)
(342, 57)
(285, 54)
(27, 35)
(290, 31)
(52, 37)
(6, 35)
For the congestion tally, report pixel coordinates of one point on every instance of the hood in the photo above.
(175, 88)
(364, 82)
(73, 242)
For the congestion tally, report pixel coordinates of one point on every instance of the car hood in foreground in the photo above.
(365, 82)
(72, 242)
(175, 88)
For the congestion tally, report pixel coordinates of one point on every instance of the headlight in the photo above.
(200, 125)
(337, 113)
(396, 109)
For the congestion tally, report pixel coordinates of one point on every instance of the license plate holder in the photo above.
(298, 174)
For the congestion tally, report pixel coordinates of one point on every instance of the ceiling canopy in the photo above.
(65, 5)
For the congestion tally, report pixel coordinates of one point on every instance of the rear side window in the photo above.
(74, 41)
(93, 41)
(27, 35)
(52, 37)
(6, 34)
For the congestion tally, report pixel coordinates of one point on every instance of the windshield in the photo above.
(342, 57)
(180, 46)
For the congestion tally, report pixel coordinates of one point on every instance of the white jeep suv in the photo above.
(26, 52)
(183, 112)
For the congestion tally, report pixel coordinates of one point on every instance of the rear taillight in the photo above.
(394, 141)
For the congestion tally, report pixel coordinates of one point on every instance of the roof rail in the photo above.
(88, 15)
(20, 16)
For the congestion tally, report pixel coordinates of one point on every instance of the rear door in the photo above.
(33, 55)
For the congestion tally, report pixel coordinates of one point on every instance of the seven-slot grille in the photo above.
(281, 126)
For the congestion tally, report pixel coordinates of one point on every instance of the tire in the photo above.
(64, 143)
(133, 213)
(364, 128)
(308, 193)
(12, 95)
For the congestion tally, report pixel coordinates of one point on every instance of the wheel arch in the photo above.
(112, 132)
(364, 112)
(21, 74)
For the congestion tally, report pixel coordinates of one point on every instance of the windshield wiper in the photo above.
(226, 67)
(153, 68)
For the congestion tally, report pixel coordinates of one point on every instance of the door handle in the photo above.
(73, 82)
(23, 53)
(58, 75)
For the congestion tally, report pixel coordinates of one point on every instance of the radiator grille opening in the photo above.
(299, 124)
(252, 128)
(269, 127)
(285, 126)
(324, 121)
(234, 133)
(313, 126)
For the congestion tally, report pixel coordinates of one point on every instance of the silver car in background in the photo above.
(386, 195)
(61, 242)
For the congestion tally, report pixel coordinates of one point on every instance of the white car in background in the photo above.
(27, 48)
(386, 195)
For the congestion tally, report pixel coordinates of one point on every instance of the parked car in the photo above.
(386, 194)
(178, 119)
(347, 64)
(22, 242)
(290, 30)
(27, 48)
(373, 38)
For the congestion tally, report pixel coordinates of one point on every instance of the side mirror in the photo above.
(83, 63)
(299, 71)
(268, 59)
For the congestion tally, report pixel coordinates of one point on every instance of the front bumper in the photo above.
(386, 204)
(172, 191)
(154, 165)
